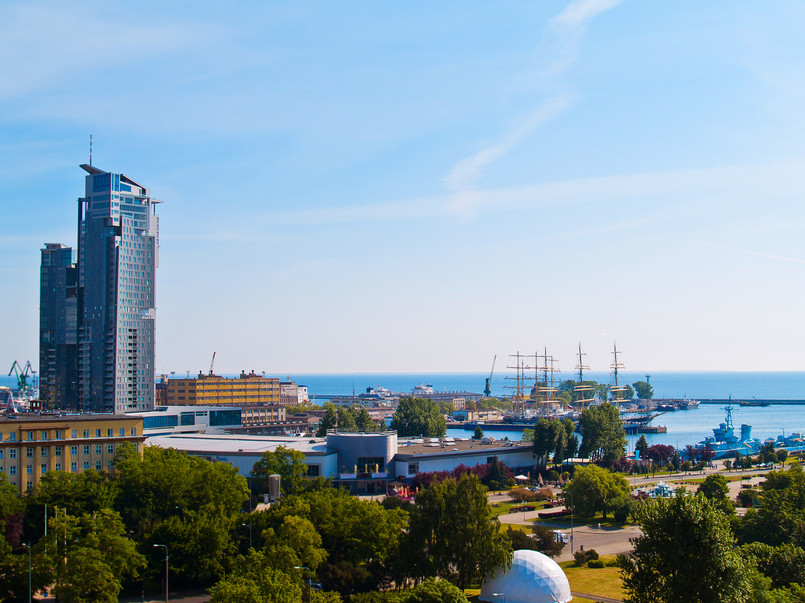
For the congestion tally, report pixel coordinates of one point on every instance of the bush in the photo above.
(553, 476)
(493, 485)
(579, 558)
(596, 563)
(591, 554)
(544, 494)
(612, 562)
(522, 495)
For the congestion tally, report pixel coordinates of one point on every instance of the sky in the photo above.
(397, 187)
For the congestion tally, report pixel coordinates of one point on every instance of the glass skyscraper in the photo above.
(58, 316)
(118, 253)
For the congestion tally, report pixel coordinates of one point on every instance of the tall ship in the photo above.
(724, 442)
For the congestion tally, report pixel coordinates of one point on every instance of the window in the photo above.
(29, 468)
(59, 434)
(12, 470)
(110, 465)
(29, 485)
(1, 453)
(97, 433)
(98, 448)
(58, 466)
(30, 435)
(86, 465)
(74, 450)
(74, 434)
(133, 431)
(413, 468)
(86, 433)
(98, 465)
(1, 436)
(86, 449)
(313, 470)
(58, 451)
(12, 453)
(43, 451)
(73, 466)
(122, 431)
(44, 468)
(12, 437)
(29, 452)
(110, 433)
(43, 435)
(110, 449)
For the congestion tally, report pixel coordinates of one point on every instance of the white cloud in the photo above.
(579, 13)
(760, 254)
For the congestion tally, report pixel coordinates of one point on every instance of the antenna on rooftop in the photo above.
(90, 149)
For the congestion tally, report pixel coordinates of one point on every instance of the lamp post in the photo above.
(302, 567)
(571, 523)
(30, 591)
(164, 546)
(248, 525)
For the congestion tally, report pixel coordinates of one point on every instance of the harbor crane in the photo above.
(212, 362)
(487, 385)
(22, 373)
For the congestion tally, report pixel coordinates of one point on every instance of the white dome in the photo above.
(532, 578)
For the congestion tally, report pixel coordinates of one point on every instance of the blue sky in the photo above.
(393, 187)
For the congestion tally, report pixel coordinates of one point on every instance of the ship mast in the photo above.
(546, 388)
(616, 390)
(520, 368)
(583, 390)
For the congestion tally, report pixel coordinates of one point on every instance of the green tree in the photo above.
(288, 463)
(546, 542)
(256, 581)
(478, 433)
(346, 419)
(435, 591)
(418, 417)
(594, 490)
(328, 421)
(686, 554)
(549, 436)
(784, 564)
(296, 543)
(643, 389)
(364, 422)
(452, 524)
(642, 446)
(602, 434)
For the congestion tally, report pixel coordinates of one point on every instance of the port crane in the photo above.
(22, 373)
(488, 380)
(212, 362)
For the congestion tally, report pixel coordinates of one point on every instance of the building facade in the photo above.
(244, 390)
(58, 328)
(118, 253)
(33, 445)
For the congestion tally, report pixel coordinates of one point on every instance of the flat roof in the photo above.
(29, 417)
(447, 446)
(239, 444)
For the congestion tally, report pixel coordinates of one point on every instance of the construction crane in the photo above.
(22, 373)
(487, 385)
(212, 362)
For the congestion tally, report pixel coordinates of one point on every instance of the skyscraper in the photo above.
(118, 253)
(58, 343)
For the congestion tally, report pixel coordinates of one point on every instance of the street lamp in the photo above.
(30, 591)
(571, 523)
(164, 546)
(310, 572)
(249, 525)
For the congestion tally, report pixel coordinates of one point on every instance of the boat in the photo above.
(724, 442)
(754, 403)
(688, 404)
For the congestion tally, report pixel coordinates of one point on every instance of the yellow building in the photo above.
(248, 388)
(30, 446)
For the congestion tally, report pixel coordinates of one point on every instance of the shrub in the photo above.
(591, 554)
(596, 563)
(579, 558)
(522, 495)
(544, 494)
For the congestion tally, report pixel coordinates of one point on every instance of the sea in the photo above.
(684, 427)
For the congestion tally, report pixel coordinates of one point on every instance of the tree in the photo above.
(714, 487)
(643, 389)
(686, 554)
(642, 446)
(478, 433)
(602, 434)
(452, 526)
(435, 591)
(346, 419)
(784, 564)
(328, 421)
(363, 421)
(418, 417)
(545, 540)
(256, 581)
(288, 463)
(594, 490)
(660, 453)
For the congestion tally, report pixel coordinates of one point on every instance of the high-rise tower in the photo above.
(118, 253)
(58, 315)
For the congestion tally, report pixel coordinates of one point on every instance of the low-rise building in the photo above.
(31, 445)
(246, 389)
